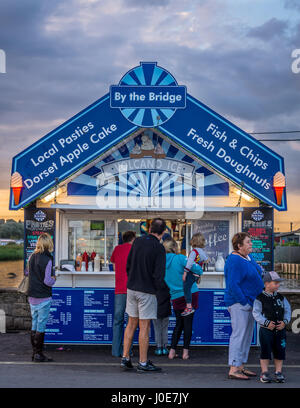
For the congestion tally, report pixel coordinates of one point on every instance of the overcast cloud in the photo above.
(64, 55)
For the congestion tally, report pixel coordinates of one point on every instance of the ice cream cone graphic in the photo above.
(279, 186)
(16, 183)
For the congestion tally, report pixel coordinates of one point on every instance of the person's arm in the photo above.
(235, 277)
(259, 268)
(49, 280)
(160, 267)
(26, 271)
(286, 317)
(190, 261)
(203, 255)
(129, 258)
(257, 314)
(287, 311)
(112, 258)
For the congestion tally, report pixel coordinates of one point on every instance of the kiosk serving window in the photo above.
(91, 236)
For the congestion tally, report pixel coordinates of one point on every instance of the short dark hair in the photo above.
(158, 225)
(238, 239)
(128, 236)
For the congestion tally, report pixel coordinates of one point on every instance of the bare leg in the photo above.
(128, 335)
(264, 364)
(144, 339)
(278, 365)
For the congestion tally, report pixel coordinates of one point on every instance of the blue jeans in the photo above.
(118, 325)
(40, 314)
(187, 286)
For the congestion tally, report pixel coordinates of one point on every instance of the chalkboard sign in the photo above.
(85, 316)
(216, 233)
(259, 223)
(36, 222)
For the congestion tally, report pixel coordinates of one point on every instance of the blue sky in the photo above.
(234, 56)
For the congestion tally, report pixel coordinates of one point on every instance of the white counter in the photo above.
(106, 279)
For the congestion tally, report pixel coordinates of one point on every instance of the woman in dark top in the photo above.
(41, 280)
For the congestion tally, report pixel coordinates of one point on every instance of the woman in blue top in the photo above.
(243, 283)
(175, 264)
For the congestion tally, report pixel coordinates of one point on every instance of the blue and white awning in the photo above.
(150, 165)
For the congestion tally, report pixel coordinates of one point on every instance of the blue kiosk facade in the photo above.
(145, 149)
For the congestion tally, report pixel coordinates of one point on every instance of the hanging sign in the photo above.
(148, 96)
(259, 223)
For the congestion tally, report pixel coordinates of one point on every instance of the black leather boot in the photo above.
(39, 356)
(33, 344)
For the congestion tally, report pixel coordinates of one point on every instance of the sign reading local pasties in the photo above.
(69, 147)
(148, 96)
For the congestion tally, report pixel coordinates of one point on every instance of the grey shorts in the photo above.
(141, 305)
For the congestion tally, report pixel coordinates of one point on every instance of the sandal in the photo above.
(238, 375)
(248, 372)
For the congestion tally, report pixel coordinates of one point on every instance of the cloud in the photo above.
(292, 4)
(62, 56)
(269, 29)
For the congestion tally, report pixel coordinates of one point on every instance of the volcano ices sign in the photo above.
(147, 96)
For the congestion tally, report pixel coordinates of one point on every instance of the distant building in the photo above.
(286, 237)
(4, 242)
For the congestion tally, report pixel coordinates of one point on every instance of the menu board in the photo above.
(212, 325)
(85, 316)
(259, 223)
(36, 222)
(216, 233)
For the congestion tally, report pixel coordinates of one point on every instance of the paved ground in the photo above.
(93, 366)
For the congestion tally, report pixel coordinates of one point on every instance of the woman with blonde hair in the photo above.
(175, 264)
(41, 279)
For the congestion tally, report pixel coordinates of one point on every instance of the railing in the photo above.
(288, 270)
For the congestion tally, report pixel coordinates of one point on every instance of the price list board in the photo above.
(259, 223)
(80, 315)
(85, 316)
(36, 222)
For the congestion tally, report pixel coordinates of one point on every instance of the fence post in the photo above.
(2, 321)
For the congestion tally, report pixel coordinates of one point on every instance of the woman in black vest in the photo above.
(41, 280)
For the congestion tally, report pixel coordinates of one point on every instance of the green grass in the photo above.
(11, 252)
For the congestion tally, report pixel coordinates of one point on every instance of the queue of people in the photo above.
(151, 275)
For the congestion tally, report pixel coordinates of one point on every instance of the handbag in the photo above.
(24, 285)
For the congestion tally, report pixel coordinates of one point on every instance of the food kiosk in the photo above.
(145, 149)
